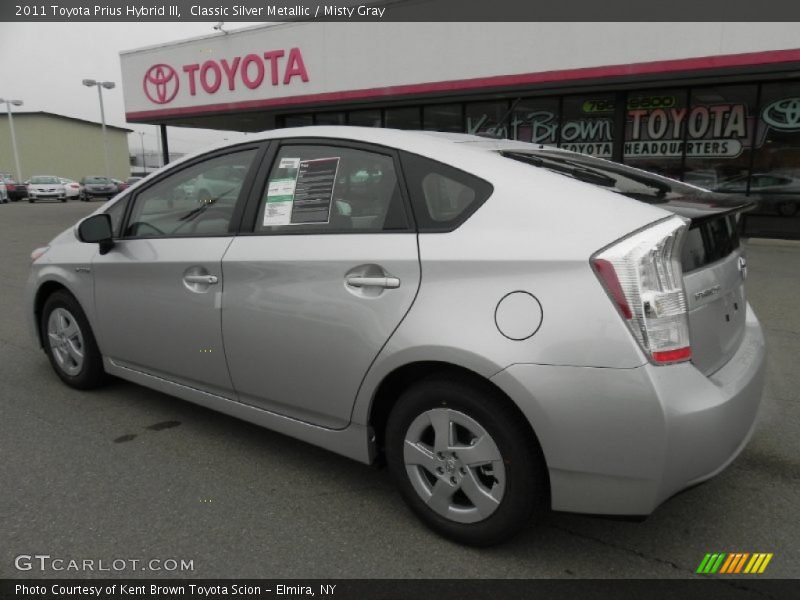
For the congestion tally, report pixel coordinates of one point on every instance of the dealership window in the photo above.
(298, 120)
(443, 117)
(403, 117)
(195, 201)
(719, 132)
(370, 117)
(587, 124)
(329, 118)
(325, 189)
(490, 118)
(775, 182)
(655, 126)
(535, 120)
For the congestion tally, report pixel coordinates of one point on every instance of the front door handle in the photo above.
(383, 282)
(207, 279)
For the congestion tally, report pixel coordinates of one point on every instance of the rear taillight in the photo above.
(643, 277)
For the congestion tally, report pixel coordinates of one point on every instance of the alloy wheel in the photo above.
(66, 341)
(454, 465)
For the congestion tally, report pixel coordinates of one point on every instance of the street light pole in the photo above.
(144, 163)
(109, 85)
(8, 104)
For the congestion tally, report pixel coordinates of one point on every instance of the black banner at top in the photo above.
(259, 11)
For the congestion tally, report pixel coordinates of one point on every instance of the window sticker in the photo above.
(289, 163)
(280, 197)
(313, 192)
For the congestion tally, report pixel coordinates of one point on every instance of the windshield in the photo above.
(43, 179)
(622, 179)
(97, 180)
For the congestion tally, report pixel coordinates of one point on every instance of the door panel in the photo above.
(158, 309)
(299, 338)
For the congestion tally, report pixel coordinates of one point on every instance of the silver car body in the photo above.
(46, 186)
(309, 356)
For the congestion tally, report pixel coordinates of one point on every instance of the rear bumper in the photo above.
(621, 441)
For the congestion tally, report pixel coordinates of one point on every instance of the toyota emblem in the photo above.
(160, 83)
(783, 114)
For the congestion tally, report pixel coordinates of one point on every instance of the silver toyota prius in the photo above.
(513, 328)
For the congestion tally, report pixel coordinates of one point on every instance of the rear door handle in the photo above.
(383, 282)
(208, 279)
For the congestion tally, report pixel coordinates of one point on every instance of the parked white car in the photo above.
(3, 193)
(71, 187)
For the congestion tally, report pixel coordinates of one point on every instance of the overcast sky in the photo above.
(43, 65)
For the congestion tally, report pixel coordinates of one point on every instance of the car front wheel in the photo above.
(69, 342)
(464, 461)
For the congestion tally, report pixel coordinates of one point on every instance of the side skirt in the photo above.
(354, 441)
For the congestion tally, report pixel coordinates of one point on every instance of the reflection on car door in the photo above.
(158, 291)
(315, 292)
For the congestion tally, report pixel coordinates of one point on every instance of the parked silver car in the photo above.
(514, 328)
(46, 187)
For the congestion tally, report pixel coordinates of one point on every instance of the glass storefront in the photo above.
(655, 131)
(733, 138)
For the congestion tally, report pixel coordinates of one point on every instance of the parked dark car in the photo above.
(95, 186)
(774, 192)
(16, 191)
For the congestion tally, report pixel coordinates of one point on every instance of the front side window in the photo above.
(196, 201)
(117, 211)
(324, 189)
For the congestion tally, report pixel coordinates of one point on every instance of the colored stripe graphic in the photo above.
(711, 563)
(734, 563)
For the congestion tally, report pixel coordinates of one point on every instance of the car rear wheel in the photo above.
(464, 462)
(69, 342)
(30, 200)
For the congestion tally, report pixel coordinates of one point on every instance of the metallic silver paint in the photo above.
(297, 349)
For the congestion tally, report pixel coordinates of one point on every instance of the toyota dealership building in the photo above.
(715, 104)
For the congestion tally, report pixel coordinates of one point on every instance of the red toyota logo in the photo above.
(160, 83)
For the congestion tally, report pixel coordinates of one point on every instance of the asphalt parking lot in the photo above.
(125, 472)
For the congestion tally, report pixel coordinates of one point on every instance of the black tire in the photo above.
(91, 373)
(526, 493)
(63, 199)
(30, 200)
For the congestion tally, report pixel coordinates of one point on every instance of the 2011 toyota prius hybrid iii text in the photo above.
(513, 327)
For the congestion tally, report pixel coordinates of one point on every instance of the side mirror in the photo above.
(97, 230)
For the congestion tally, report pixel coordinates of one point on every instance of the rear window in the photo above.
(443, 197)
(97, 180)
(709, 242)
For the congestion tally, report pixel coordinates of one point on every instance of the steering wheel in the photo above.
(190, 227)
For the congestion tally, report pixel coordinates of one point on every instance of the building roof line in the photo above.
(22, 113)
